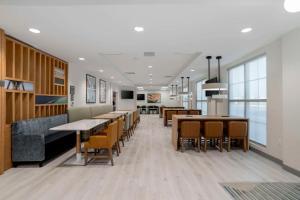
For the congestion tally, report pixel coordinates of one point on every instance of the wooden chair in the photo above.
(193, 112)
(213, 130)
(237, 130)
(107, 141)
(182, 112)
(170, 114)
(190, 130)
(120, 132)
(126, 129)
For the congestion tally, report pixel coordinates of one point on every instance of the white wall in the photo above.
(291, 99)
(126, 104)
(165, 99)
(77, 77)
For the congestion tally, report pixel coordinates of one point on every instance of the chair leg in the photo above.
(181, 145)
(229, 143)
(119, 147)
(221, 144)
(198, 143)
(111, 156)
(85, 156)
(205, 144)
(122, 139)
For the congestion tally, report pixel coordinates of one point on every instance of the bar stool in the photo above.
(190, 130)
(237, 130)
(213, 130)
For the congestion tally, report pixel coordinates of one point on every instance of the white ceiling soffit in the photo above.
(173, 29)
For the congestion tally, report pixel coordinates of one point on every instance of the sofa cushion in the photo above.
(100, 109)
(55, 135)
(79, 113)
(36, 126)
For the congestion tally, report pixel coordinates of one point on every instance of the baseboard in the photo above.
(291, 170)
(276, 160)
(269, 157)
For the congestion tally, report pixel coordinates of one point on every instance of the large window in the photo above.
(248, 96)
(185, 99)
(201, 98)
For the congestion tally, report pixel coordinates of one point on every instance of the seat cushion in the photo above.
(55, 135)
(79, 113)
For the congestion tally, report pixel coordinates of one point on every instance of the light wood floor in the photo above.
(148, 168)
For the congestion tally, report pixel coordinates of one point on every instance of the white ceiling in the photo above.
(102, 32)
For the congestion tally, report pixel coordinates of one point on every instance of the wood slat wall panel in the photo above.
(21, 62)
(2, 101)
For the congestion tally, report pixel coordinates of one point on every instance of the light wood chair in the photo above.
(190, 130)
(213, 130)
(170, 114)
(182, 112)
(120, 132)
(98, 142)
(237, 130)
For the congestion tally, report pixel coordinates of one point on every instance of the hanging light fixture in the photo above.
(292, 6)
(218, 85)
(188, 86)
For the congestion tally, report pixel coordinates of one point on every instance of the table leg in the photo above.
(78, 146)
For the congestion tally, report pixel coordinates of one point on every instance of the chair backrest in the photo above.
(126, 122)
(113, 133)
(194, 112)
(190, 129)
(130, 114)
(134, 116)
(213, 129)
(120, 127)
(237, 129)
(182, 112)
(170, 113)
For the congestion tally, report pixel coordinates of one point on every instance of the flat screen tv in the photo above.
(126, 94)
(210, 93)
(140, 97)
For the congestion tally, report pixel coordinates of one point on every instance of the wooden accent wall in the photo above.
(2, 99)
(27, 64)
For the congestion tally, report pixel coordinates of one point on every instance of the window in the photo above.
(201, 98)
(185, 99)
(248, 96)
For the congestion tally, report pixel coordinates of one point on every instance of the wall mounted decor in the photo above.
(102, 91)
(153, 97)
(90, 89)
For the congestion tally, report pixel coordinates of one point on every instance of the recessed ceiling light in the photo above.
(150, 79)
(246, 30)
(120, 81)
(101, 70)
(112, 77)
(139, 29)
(149, 66)
(292, 6)
(81, 59)
(192, 70)
(34, 30)
(150, 74)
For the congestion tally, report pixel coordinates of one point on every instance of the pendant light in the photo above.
(188, 86)
(172, 94)
(216, 86)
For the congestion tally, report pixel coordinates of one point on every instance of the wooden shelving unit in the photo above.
(25, 63)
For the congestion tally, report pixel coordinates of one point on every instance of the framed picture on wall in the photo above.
(153, 97)
(90, 89)
(102, 91)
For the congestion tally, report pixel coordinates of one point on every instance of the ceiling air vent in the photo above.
(130, 73)
(149, 54)
(169, 76)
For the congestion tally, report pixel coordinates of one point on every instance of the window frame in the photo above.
(246, 100)
(202, 100)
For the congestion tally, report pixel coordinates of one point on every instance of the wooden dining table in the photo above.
(176, 119)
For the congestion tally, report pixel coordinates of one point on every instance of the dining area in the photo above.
(107, 134)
